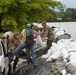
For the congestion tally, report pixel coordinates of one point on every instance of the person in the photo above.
(29, 43)
(48, 33)
(10, 40)
(22, 38)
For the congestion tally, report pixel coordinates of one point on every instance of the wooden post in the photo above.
(7, 42)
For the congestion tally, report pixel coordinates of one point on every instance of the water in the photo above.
(70, 27)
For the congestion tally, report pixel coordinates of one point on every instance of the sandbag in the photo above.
(39, 41)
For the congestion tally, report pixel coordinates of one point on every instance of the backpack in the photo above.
(29, 36)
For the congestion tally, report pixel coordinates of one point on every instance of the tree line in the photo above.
(68, 15)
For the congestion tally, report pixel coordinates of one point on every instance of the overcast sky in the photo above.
(69, 3)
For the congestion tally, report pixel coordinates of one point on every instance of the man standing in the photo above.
(48, 33)
(23, 39)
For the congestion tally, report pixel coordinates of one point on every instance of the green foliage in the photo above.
(8, 23)
(71, 14)
(14, 14)
(0, 9)
(1, 35)
(68, 15)
(36, 28)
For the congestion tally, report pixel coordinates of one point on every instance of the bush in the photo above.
(1, 35)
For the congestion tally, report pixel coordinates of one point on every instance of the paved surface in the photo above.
(43, 68)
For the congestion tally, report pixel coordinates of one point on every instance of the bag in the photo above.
(39, 41)
(29, 37)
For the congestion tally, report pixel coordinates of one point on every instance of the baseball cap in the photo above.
(28, 25)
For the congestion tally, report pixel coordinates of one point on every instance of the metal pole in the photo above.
(59, 19)
(7, 42)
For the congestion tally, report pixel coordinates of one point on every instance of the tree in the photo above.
(61, 13)
(14, 14)
(70, 14)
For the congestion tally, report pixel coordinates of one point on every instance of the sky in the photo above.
(69, 3)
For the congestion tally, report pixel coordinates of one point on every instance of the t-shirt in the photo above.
(50, 32)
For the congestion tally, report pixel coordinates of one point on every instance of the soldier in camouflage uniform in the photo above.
(48, 33)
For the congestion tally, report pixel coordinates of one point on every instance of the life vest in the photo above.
(23, 34)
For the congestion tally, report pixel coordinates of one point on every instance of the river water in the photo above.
(70, 27)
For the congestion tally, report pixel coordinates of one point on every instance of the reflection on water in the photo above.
(70, 27)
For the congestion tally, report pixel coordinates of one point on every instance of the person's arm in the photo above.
(16, 38)
(38, 33)
(46, 34)
(19, 37)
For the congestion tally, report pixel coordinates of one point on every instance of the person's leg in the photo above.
(19, 48)
(15, 63)
(28, 56)
(49, 44)
(49, 41)
(33, 54)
